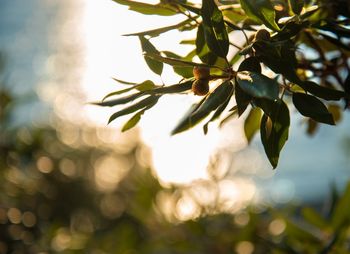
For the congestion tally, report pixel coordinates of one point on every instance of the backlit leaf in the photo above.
(260, 11)
(252, 123)
(148, 9)
(148, 48)
(214, 28)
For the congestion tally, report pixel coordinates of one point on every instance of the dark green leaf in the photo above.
(214, 28)
(148, 9)
(260, 11)
(274, 127)
(250, 64)
(321, 91)
(242, 99)
(252, 123)
(258, 85)
(151, 100)
(312, 107)
(296, 5)
(217, 113)
(148, 48)
(212, 102)
(279, 57)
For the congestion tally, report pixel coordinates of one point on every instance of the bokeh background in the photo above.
(70, 183)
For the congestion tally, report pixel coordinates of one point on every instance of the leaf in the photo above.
(260, 11)
(120, 101)
(151, 100)
(214, 28)
(335, 41)
(227, 118)
(242, 99)
(148, 9)
(173, 61)
(312, 107)
(146, 85)
(148, 48)
(279, 57)
(250, 64)
(252, 123)
(158, 31)
(183, 71)
(341, 213)
(274, 127)
(258, 85)
(133, 121)
(177, 88)
(212, 102)
(321, 91)
(217, 113)
(312, 217)
(202, 49)
(296, 5)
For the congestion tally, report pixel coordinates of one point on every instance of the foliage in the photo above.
(290, 52)
(52, 206)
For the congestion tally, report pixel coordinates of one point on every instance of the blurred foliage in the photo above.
(52, 200)
(257, 56)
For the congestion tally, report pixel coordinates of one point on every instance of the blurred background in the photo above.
(71, 183)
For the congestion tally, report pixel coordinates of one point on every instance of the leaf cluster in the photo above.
(292, 53)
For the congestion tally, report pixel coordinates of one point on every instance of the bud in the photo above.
(262, 34)
(200, 72)
(200, 87)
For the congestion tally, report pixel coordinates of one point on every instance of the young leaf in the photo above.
(212, 102)
(274, 128)
(312, 107)
(214, 28)
(147, 47)
(260, 11)
(252, 123)
(258, 85)
(151, 100)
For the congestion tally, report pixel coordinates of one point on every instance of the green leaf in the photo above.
(177, 88)
(242, 99)
(252, 123)
(296, 5)
(258, 85)
(146, 85)
(173, 61)
(183, 71)
(335, 41)
(148, 48)
(158, 31)
(312, 217)
(321, 91)
(214, 28)
(133, 121)
(260, 11)
(151, 100)
(312, 107)
(274, 127)
(211, 103)
(120, 101)
(202, 49)
(148, 9)
(341, 215)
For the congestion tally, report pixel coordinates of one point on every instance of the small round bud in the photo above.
(200, 72)
(262, 34)
(200, 87)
